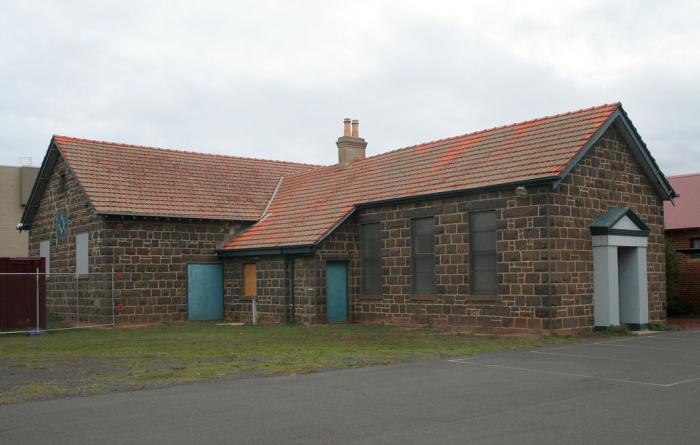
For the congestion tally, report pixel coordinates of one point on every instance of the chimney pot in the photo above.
(350, 145)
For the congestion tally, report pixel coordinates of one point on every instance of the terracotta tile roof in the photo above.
(685, 214)
(147, 181)
(310, 205)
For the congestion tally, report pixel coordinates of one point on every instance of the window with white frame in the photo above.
(82, 253)
(45, 252)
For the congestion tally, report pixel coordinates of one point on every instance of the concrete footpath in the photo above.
(642, 390)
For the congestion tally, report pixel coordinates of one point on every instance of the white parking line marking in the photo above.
(570, 374)
(672, 338)
(612, 359)
(622, 340)
(651, 348)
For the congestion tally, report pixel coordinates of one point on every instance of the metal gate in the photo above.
(22, 293)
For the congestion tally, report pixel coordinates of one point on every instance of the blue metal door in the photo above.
(337, 291)
(205, 291)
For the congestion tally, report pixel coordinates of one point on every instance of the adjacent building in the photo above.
(15, 186)
(554, 224)
(682, 219)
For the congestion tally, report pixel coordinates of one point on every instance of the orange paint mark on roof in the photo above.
(309, 205)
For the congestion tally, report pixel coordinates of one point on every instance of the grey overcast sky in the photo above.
(275, 79)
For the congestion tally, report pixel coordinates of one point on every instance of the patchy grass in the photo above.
(98, 360)
(664, 327)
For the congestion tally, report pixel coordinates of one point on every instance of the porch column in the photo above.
(605, 287)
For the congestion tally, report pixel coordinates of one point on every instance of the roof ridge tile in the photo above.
(176, 150)
(499, 127)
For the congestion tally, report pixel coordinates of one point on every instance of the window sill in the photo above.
(370, 297)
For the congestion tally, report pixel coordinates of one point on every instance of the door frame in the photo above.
(187, 284)
(346, 262)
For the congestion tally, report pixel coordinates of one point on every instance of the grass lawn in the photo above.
(101, 360)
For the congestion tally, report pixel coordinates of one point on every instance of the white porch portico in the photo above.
(620, 269)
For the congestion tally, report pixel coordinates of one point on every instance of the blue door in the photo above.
(205, 291)
(337, 291)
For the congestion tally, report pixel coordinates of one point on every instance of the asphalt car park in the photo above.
(650, 360)
(641, 389)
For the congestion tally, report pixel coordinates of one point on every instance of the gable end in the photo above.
(639, 149)
(42, 179)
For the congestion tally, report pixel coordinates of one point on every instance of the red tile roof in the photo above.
(310, 205)
(685, 214)
(147, 181)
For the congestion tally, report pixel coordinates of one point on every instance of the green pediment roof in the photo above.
(606, 223)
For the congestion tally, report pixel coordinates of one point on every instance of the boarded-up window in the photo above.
(370, 250)
(45, 252)
(82, 253)
(483, 252)
(423, 255)
(250, 280)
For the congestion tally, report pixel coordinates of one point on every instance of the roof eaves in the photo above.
(636, 140)
(301, 249)
(447, 194)
(42, 178)
(451, 193)
(172, 216)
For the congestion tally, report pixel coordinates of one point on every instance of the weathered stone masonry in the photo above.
(608, 176)
(149, 257)
(273, 275)
(61, 289)
(544, 255)
(545, 269)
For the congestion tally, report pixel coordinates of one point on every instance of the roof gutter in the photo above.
(309, 248)
(124, 215)
(287, 250)
(453, 193)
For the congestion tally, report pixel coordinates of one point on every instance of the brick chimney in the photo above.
(350, 145)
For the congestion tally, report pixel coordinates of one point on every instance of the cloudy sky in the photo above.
(275, 79)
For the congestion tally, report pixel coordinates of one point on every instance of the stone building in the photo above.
(552, 224)
(147, 213)
(682, 220)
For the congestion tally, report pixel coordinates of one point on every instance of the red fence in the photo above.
(22, 286)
